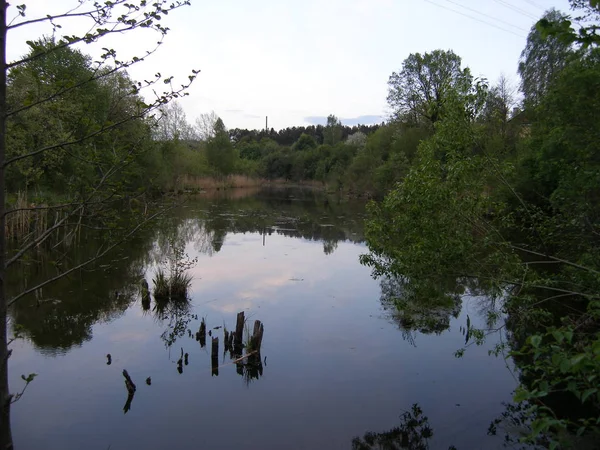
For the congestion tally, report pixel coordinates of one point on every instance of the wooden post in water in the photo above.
(214, 357)
(226, 341)
(145, 295)
(130, 385)
(239, 333)
(257, 335)
(202, 334)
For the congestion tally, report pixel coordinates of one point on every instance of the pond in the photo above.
(336, 361)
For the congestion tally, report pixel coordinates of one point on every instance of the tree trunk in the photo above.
(5, 398)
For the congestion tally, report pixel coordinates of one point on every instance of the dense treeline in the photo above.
(286, 137)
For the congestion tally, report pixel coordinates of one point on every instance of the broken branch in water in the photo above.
(129, 384)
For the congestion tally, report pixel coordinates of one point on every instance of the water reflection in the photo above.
(329, 367)
(424, 306)
(62, 315)
(428, 305)
(413, 433)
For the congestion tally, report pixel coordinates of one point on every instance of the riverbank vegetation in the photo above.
(508, 193)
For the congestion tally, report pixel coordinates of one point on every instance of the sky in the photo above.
(299, 61)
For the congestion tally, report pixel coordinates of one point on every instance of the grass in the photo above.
(174, 288)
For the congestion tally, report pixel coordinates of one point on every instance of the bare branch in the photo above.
(123, 24)
(554, 258)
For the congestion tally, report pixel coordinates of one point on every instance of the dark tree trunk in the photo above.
(5, 398)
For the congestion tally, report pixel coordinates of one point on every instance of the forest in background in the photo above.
(474, 179)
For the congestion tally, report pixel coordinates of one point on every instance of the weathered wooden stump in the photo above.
(239, 335)
(145, 291)
(129, 384)
(239, 328)
(214, 356)
(257, 335)
(225, 341)
(202, 334)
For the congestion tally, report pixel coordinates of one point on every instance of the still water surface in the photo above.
(336, 363)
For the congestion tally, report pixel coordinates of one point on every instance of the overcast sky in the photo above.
(298, 61)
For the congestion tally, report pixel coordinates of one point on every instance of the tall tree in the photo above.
(205, 125)
(542, 59)
(219, 149)
(173, 124)
(332, 134)
(499, 106)
(418, 92)
(98, 20)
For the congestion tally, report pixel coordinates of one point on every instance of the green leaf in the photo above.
(559, 336)
(577, 359)
(535, 341)
(569, 336)
(587, 393)
(538, 426)
(521, 395)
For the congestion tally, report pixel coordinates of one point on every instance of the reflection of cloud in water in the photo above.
(232, 306)
(128, 336)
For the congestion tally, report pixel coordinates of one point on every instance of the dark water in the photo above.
(336, 362)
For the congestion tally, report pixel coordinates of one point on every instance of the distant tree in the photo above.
(219, 149)
(305, 142)
(499, 105)
(332, 134)
(542, 60)
(173, 124)
(205, 125)
(419, 91)
(358, 139)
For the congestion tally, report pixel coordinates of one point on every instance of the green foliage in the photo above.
(332, 134)
(419, 91)
(173, 284)
(515, 204)
(220, 151)
(587, 22)
(305, 142)
(429, 224)
(542, 60)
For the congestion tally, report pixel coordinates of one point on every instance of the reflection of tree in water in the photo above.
(422, 306)
(413, 433)
(291, 213)
(61, 315)
(176, 315)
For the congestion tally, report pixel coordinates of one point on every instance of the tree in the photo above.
(219, 149)
(205, 125)
(358, 140)
(332, 134)
(305, 142)
(419, 91)
(99, 20)
(542, 59)
(173, 124)
(498, 108)
(562, 27)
